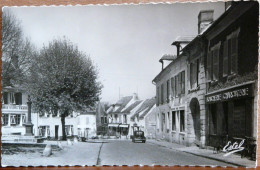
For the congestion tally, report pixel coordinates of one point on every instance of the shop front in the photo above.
(230, 114)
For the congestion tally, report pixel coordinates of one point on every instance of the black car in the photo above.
(138, 136)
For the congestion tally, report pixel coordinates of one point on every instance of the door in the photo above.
(195, 112)
(56, 131)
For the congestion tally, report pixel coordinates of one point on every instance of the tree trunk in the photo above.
(64, 137)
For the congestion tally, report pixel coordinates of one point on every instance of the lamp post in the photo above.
(28, 124)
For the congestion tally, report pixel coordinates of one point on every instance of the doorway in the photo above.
(195, 112)
(56, 131)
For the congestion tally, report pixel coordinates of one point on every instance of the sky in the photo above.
(124, 41)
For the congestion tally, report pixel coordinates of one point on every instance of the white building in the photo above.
(14, 111)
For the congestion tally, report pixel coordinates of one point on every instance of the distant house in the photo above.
(81, 124)
(14, 110)
(118, 115)
(102, 118)
(138, 117)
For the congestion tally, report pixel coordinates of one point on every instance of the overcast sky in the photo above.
(125, 41)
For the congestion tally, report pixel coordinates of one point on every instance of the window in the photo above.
(194, 74)
(102, 120)
(162, 96)
(168, 121)
(18, 98)
(105, 119)
(182, 122)
(4, 119)
(124, 119)
(69, 130)
(183, 82)
(176, 86)
(5, 98)
(163, 122)
(213, 63)
(168, 91)
(44, 131)
(173, 121)
(173, 86)
(230, 54)
(179, 84)
(15, 119)
(12, 98)
(23, 119)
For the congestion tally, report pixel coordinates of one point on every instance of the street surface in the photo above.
(128, 153)
(111, 152)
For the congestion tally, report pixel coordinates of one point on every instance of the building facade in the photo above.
(14, 111)
(102, 119)
(232, 72)
(171, 94)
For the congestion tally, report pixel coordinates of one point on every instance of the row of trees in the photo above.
(58, 77)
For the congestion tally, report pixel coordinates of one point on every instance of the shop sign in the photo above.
(234, 93)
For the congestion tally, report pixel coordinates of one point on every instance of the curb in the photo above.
(216, 159)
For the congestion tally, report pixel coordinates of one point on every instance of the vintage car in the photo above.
(138, 136)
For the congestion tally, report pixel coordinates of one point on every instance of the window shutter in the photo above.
(172, 86)
(179, 83)
(225, 59)
(188, 75)
(209, 66)
(183, 82)
(216, 64)
(176, 85)
(234, 55)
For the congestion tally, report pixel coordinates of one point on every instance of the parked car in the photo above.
(138, 136)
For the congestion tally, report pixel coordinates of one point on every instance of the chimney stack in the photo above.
(204, 19)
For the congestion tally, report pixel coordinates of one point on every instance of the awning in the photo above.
(124, 126)
(113, 125)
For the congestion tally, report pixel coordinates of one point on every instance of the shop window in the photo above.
(213, 123)
(168, 91)
(15, 119)
(194, 74)
(173, 121)
(4, 119)
(182, 121)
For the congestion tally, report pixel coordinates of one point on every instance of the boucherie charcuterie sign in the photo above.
(234, 93)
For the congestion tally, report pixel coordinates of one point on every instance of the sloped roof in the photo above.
(183, 39)
(147, 105)
(132, 106)
(168, 57)
(121, 103)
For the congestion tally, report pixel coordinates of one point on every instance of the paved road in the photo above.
(123, 152)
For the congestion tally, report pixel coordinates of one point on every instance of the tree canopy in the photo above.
(16, 51)
(63, 79)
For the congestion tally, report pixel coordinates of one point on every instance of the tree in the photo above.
(62, 80)
(16, 51)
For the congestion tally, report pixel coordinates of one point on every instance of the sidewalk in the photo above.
(236, 160)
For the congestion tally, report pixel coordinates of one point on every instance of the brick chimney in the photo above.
(204, 19)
